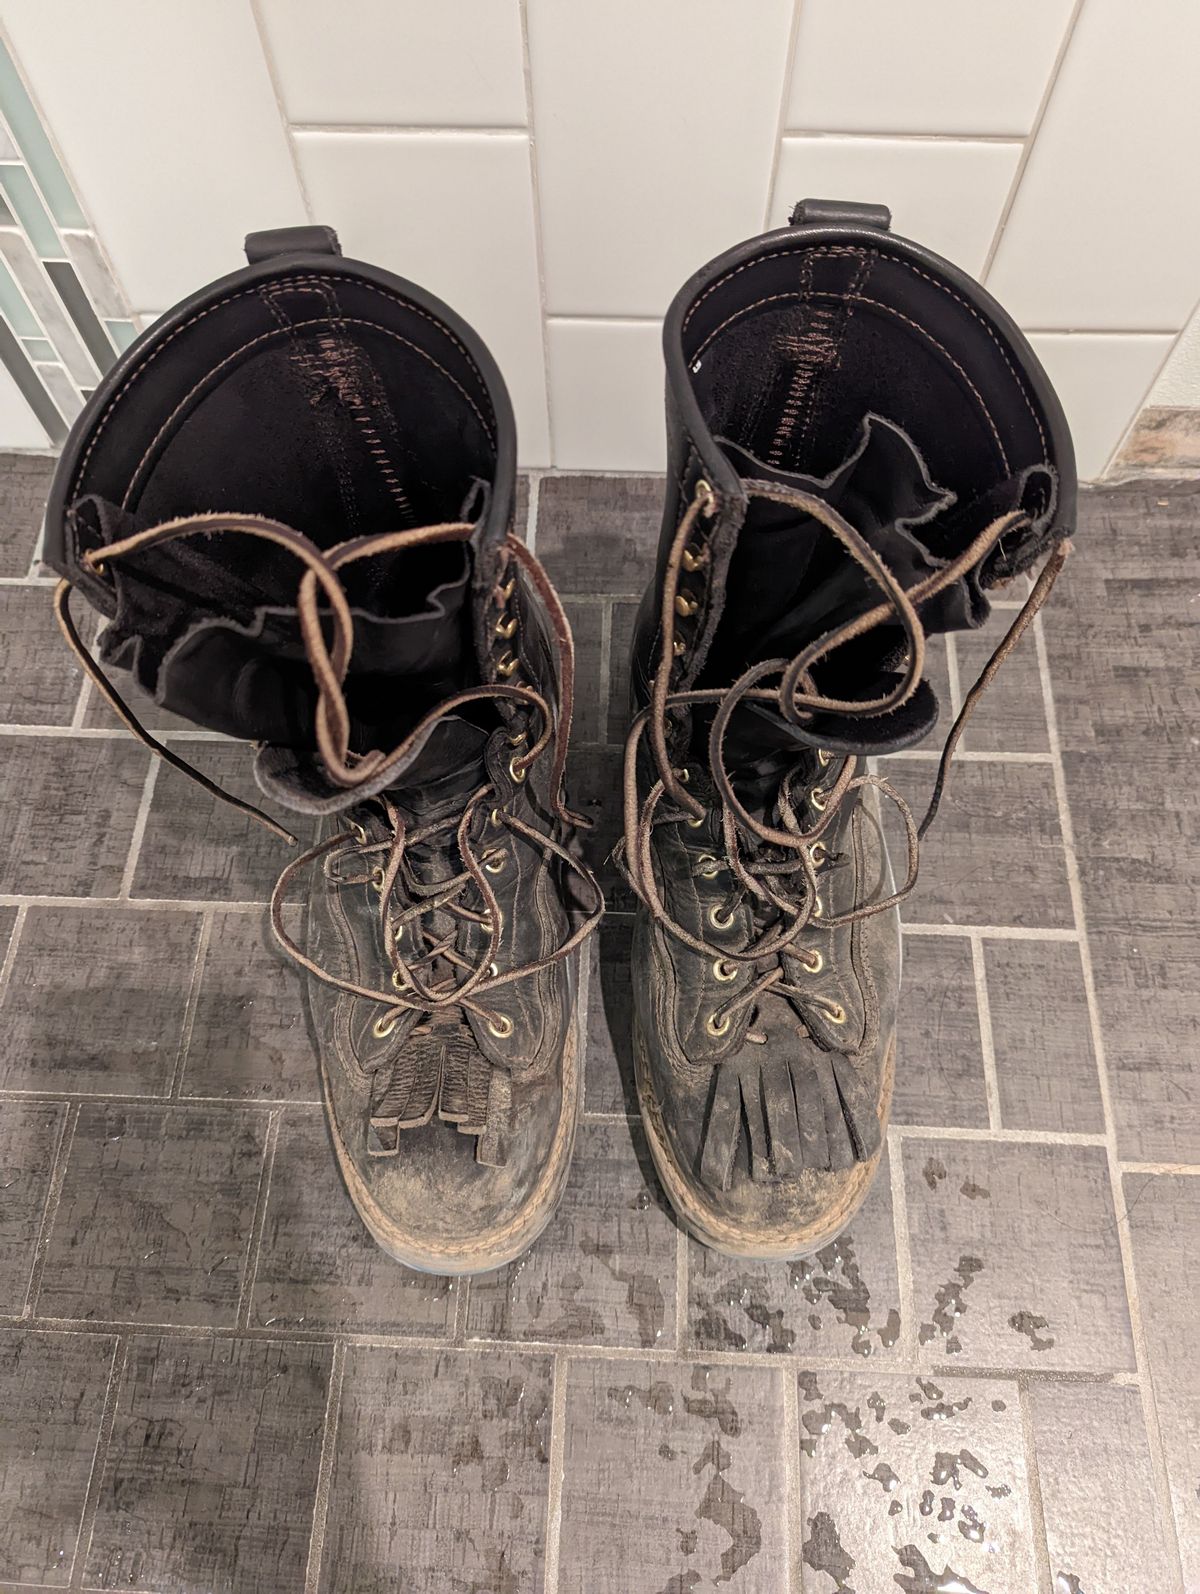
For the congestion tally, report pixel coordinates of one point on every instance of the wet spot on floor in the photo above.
(1029, 1324)
(824, 1552)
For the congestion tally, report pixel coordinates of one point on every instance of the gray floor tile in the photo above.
(1103, 1528)
(604, 1271)
(318, 1267)
(939, 1061)
(67, 811)
(1041, 1032)
(24, 484)
(8, 918)
(609, 1080)
(154, 1218)
(39, 680)
(441, 1474)
(599, 533)
(937, 673)
(212, 1469)
(196, 846)
(97, 999)
(249, 1037)
(29, 1137)
(994, 854)
(619, 714)
(844, 1301)
(1015, 1256)
(1011, 715)
(587, 623)
(911, 1484)
(674, 1479)
(1164, 1221)
(52, 1389)
(1124, 652)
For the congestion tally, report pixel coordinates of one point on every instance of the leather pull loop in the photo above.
(840, 213)
(291, 241)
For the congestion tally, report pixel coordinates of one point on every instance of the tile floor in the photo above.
(211, 1380)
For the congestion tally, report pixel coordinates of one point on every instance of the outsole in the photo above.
(730, 1239)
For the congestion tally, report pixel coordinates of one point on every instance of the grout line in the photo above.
(930, 755)
(996, 932)
(955, 682)
(58, 1174)
(81, 704)
(793, 1514)
(1033, 1484)
(333, 1406)
(264, 44)
(681, 1289)
(558, 1450)
(840, 133)
(14, 941)
(987, 1039)
(139, 829)
(130, 1098)
(1125, 1240)
(175, 1084)
(1026, 1137)
(612, 1117)
(1029, 142)
(421, 129)
(785, 95)
(907, 1345)
(47, 583)
(178, 904)
(91, 1495)
(605, 666)
(531, 510)
(259, 1221)
(109, 733)
(535, 192)
(1173, 1169)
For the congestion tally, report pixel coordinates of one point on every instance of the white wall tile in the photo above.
(654, 131)
(170, 129)
(407, 62)
(1102, 380)
(606, 394)
(923, 66)
(1178, 384)
(19, 426)
(454, 213)
(1105, 231)
(949, 195)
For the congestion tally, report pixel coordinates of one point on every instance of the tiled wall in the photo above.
(555, 170)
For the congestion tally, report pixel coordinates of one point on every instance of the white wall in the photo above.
(555, 169)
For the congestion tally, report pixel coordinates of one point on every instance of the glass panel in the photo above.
(39, 349)
(14, 308)
(31, 136)
(122, 333)
(31, 213)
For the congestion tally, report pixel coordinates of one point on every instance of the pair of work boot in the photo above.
(292, 500)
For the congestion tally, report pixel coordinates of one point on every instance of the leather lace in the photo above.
(412, 988)
(775, 865)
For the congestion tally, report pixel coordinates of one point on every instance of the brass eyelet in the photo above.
(717, 1023)
(383, 1027)
(485, 923)
(508, 665)
(506, 591)
(678, 648)
(494, 819)
(724, 971)
(707, 866)
(685, 607)
(817, 853)
(358, 833)
(693, 823)
(834, 1012)
(501, 1026)
(717, 922)
(704, 492)
(498, 866)
(378, 880)
(518, 740)
(694, 561)
(684, 776)
(817, 798)
(399, 981)
(505, 629)
(516, 771)
(493, 971)
(812, 961)
(824, 758)
(818, 908)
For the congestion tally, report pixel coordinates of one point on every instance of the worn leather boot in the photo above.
(292, 500)
(861, 446)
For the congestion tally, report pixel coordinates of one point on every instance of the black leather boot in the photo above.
(861, 446)
(292, 501)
